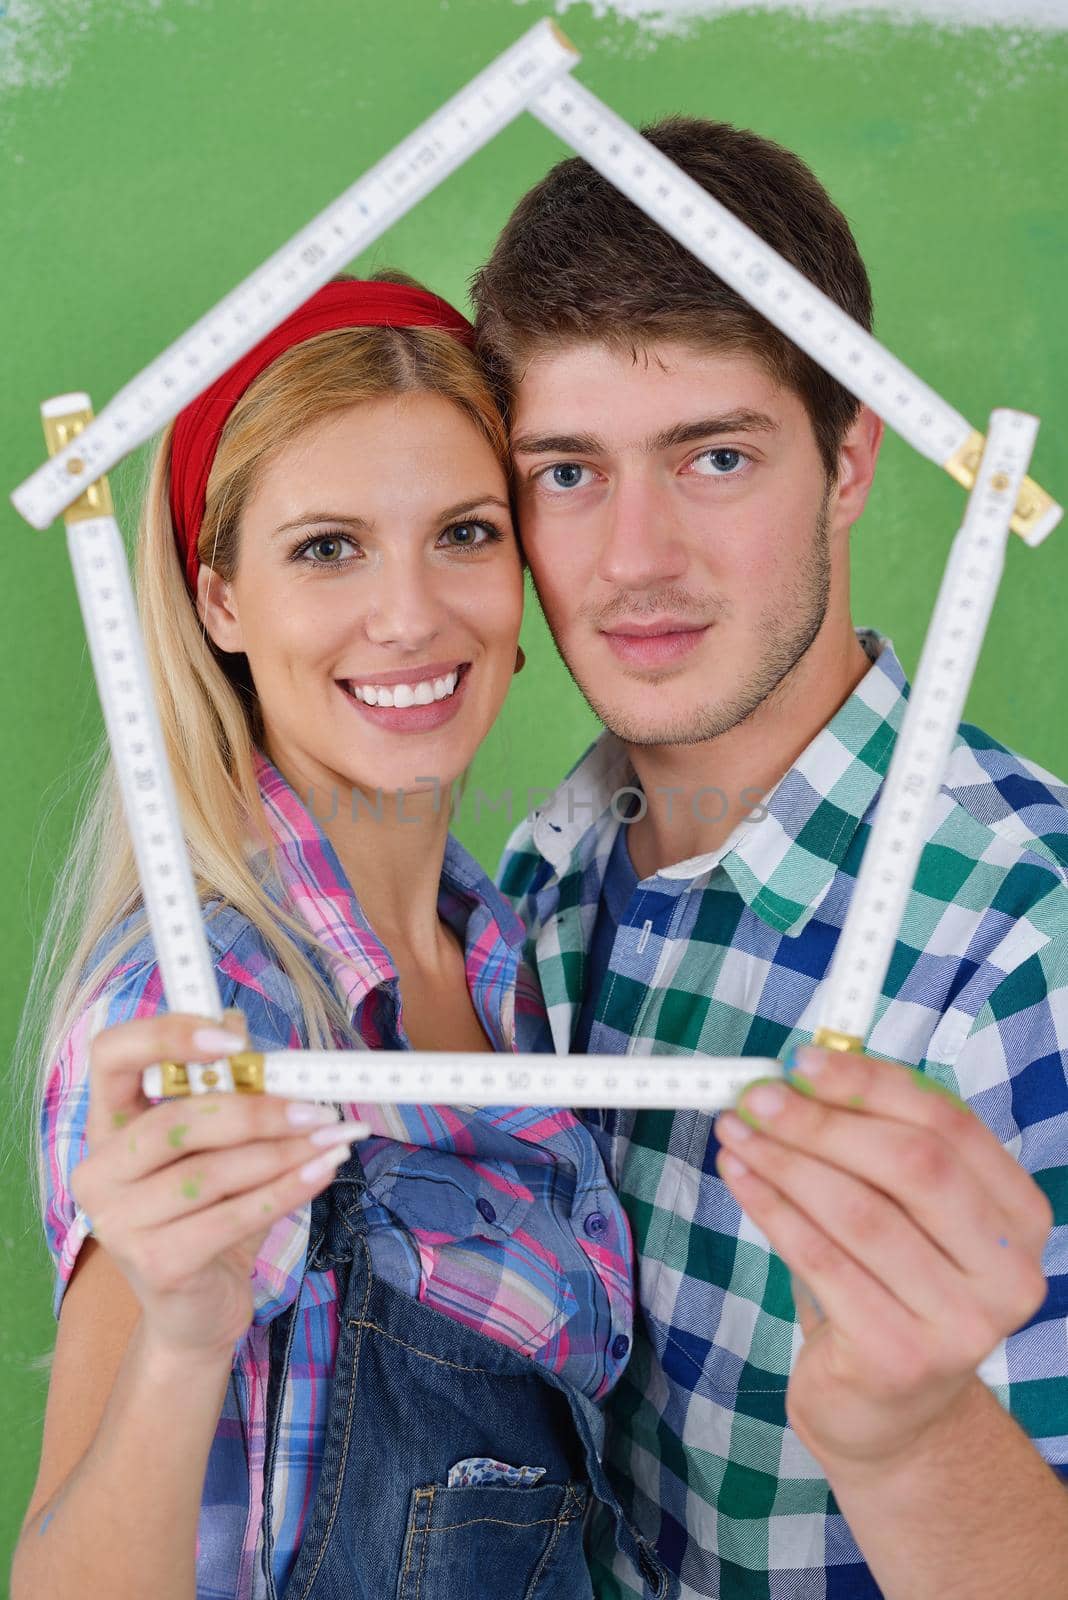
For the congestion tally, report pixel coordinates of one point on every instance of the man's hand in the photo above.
(918, 1234)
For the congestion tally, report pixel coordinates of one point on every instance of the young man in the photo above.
(687, 481)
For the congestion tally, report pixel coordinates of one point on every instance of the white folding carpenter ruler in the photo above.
(534, 75)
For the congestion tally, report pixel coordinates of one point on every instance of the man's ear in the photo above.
(216, 609)
(856, 467)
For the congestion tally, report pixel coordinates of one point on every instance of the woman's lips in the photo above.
(655, 649)
(413, 719)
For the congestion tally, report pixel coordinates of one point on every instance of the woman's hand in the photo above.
(182, 1194)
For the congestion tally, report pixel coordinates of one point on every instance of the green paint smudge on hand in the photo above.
(922, 1081)
(191, 1187)
(802, 1085)
(120, 1119)
(177, 1134)
(133, 1144)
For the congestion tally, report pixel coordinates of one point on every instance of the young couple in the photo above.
(511, 1353)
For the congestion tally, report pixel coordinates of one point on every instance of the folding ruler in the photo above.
(534, 75)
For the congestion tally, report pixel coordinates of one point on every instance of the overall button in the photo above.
(620, 1346)
(595, 1224)
(484, 1209)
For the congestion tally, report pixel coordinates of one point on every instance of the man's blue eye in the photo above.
(723, 461)
(567, 476)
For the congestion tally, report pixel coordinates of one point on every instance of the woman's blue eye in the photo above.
(724, 462)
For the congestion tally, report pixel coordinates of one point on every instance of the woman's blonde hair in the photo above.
(207, 704)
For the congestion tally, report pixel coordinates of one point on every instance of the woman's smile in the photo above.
(415, 702)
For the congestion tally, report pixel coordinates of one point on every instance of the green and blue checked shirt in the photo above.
(724, 954)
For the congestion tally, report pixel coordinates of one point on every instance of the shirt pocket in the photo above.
(509, 1542)
(436, 1193)
(473, 1237)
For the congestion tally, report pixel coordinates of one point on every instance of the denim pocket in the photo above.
(495, 1540)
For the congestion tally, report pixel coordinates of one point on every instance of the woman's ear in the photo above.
(216, 609)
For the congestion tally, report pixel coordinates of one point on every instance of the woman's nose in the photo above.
(404, 608)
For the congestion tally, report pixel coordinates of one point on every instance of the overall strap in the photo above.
(337, 1218)
(336, 1239)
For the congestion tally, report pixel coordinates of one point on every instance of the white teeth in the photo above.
(406, 694)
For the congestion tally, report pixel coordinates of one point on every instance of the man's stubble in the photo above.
(788, 632)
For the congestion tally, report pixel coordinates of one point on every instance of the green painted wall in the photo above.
(155, 151)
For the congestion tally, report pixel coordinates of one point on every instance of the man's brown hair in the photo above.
(579, 261)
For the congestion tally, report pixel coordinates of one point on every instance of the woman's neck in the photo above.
(393, 858)
(391, 847)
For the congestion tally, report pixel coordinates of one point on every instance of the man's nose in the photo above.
(640, 546)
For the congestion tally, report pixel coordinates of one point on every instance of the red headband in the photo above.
(341, 303)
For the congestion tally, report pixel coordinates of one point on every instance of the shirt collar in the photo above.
(312, 885)
(784, 864)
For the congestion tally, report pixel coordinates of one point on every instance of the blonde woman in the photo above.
(374, 1371)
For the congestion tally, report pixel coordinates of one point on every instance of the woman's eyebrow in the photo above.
(465, 508)
(462, 508)
(321, 516)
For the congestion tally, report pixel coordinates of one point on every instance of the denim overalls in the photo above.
(413, 1394)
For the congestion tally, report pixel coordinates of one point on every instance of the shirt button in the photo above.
(620, 1346)
(484, 1209)
(595, 1224)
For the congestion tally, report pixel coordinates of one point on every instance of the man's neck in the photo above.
(696, 794)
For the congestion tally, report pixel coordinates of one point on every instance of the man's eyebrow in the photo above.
(462, 508)
(556, 444)
(741, 421)
(587, 444)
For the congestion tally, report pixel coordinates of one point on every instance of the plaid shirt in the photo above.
(723, 954)
(501, 1217)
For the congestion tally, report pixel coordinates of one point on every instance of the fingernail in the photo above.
(802, 1056)
(731, 1165)
(215, 1041)
(322, 1166)
(730, 1126)
(765, 1098)
(347, 1131)
(306, 1113)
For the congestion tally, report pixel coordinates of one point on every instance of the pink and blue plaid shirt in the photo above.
(501, 1217)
